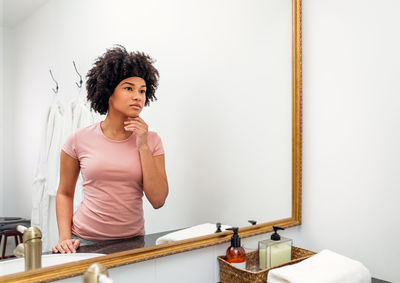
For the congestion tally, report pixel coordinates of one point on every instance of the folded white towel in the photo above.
(324, 267)
(195, 231)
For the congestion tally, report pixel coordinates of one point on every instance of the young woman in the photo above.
(119, 158)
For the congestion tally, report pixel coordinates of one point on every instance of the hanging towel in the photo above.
(195, 231)
(324, 267)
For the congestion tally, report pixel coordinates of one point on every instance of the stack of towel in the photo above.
(324, 267)
(192, 232)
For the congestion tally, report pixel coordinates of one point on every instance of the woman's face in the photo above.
(129, 97)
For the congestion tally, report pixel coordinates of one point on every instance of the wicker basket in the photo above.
(232, 274)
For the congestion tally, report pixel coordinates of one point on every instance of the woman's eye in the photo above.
(128, 88)
(142, 91)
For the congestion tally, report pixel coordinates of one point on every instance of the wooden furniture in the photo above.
(8, 228)
(5, 234)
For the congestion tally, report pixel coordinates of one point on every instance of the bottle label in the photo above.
(241, 265)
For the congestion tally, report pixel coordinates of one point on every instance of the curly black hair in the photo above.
(115, 65)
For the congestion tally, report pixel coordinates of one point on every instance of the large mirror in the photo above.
(228, 109)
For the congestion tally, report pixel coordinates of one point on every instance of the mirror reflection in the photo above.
(223, 110)
(120, 160)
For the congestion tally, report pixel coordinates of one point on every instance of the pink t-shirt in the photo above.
(113, 184)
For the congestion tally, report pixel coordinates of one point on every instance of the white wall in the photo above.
(29, 96)
(351, 136)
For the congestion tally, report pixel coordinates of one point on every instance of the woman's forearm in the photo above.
(64, 209)
(155, 183)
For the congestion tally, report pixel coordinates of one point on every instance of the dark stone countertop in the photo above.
(113, 246)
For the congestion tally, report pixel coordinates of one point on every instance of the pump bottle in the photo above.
(235, 254)
(274, 251)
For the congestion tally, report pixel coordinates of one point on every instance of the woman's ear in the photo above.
(110, 101)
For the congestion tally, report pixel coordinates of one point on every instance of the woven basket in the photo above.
(232, 274)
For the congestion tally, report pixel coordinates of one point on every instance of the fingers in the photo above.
(135, 125)
(130, 128)
(54, 249)
(66, 246)
(76, 243)
(134, 128)
(134, 122)
(71, 246)
(131, 123)
(135, 119)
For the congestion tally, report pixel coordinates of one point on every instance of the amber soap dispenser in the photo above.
(235, 254)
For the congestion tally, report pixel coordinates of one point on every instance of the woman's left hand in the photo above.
(139, 127)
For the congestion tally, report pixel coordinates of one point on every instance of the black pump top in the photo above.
(235, 240)
(275, 236)
(218, 228)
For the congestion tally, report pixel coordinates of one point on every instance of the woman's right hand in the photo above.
(66, 246)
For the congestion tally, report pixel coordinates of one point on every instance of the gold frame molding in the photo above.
(72, 269)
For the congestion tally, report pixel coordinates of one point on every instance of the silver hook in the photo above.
(80, 77)
(56, 90)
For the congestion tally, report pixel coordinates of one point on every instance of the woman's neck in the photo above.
(113, 127)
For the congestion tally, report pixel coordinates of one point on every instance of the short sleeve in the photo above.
(69, 146)
(157, 146)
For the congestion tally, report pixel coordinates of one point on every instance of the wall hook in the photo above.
(55, 90)
(80, 77)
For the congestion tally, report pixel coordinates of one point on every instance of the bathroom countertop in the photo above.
(113, 246)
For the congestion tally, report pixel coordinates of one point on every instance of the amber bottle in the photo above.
(235, 254)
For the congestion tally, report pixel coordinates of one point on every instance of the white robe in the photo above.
(61, 121)
(47, 175)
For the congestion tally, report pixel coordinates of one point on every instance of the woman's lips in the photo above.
(137, 106)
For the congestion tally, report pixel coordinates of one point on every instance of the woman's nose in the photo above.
(136, 95)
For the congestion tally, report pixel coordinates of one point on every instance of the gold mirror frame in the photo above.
(72, 269)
